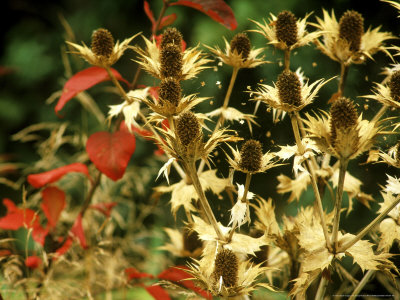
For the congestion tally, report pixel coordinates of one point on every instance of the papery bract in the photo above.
(82, 81)
(217, 10)
(111, 152)
(41, 179)
(53, 204)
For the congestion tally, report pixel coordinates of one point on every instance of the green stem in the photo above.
(361, 284)
(367, 228)
(338, 202)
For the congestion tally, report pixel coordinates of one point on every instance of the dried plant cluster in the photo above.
(304, 255)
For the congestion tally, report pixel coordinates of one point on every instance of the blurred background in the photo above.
(32, 39)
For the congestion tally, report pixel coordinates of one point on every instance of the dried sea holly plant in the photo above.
(224, 239)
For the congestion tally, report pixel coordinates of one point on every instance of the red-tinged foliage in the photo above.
(157, 292)
(111, 152)
(52, 205)
(165, 21)
(82, 81)
(133, 273)
(41, 179)
(149, 12)
(33, 261)
(77, 231)
(218, 10)
(64, 248)
(5, 252)
(104, 208)
(18, 217)
(177, 274)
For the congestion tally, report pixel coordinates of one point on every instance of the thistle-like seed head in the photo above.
(226, 266)
(286, 28)
(343, 116)
(289, 88)
(171, 61)
(170, 90)
(102, 43)
(397, 153)
(394, 86)
(171, 35)
(251, 156)
(187, 128)
(351, 28)
(191, 240)
(241, 44)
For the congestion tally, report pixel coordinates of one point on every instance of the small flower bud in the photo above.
(187, 128)
(102, 43)
(289, 88)
(170, 90)
(343, 116)
(241, 44)
(351, 28)
(394, 86)
(226, 266)
(251, 156)
(286, 28)
(191, 240)
(171, 61)
(171, 35)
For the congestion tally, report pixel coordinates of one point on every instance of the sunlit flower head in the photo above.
(390, 227)
(150, 59)
(346, 42)
(286, 32)
(239, 53)
(103, 51)
(388, 94)
(392, 158)
(290, 92)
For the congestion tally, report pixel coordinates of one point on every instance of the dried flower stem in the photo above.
(287, 59)
(380, 113)
(192, 173)
(371, 225)
(361, 284)
(344, 70)
(321, 289)
(295, 127)
(220, 120)
(338, 202)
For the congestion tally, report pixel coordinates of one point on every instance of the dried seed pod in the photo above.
(170, 90)
(394, 86)
(171, 35)
(351, 28)
(187, 128)
(102, 43)
(226, 266)
(286, 28)
(191, 240)
(343, 116)
(241, 44)
(171, 61)
(289, 88)
(251, 156)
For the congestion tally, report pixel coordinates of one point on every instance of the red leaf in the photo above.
(5, 252)
(77, 231)
(218, 10)
(104, 208)
(33, 261)
(149, 13)
(64, 248)
(178, 275)
(53, 204)
(157, 292)
(167, 20)
(41, 179)
(82, 81)
(111, 152)
(133, 273)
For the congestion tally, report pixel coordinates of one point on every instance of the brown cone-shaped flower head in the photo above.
(102, 43)
(286, 28)
(394, 86)
(170, 90)
(241, 44)
(187, 128)
(351, 28)
(171, 35)
(171, 61)
(289, 88)
(343, 116)
(226, 266)
(191, 240)
(251, 156)
(397, 155)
